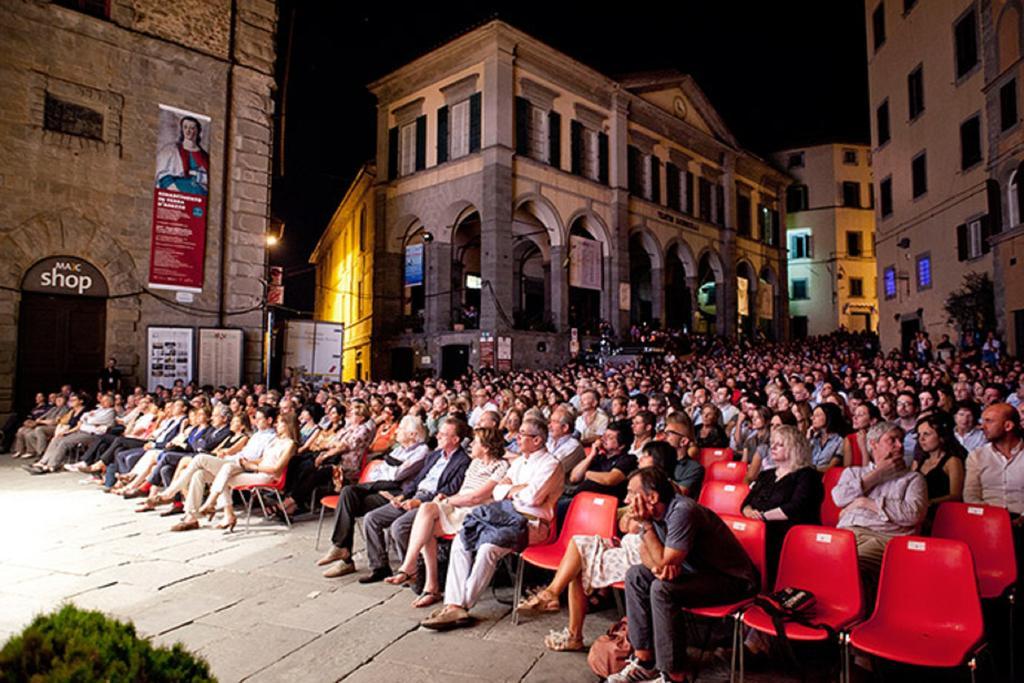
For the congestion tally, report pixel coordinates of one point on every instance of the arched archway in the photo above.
(680, 283)
(710, 294)
(588, 257)
(644, 279)
(465, 273)
(535, 296)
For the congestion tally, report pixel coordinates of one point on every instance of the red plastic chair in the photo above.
(254, 491)
(730, 472)
(829, 510)
(928, 611)
(709, 456)
(987, 531)
(589, 514)
(751, 535)
(822, 560)
(331, 502)
(723, 498)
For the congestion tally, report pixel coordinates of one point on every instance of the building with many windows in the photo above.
(107, 105)
(521, 198)
(830, 232)
(946, 147)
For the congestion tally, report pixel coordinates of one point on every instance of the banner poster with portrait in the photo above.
(180, 201)
(169, 356)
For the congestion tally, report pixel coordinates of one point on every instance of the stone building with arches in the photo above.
(83, 85)
(520, 198)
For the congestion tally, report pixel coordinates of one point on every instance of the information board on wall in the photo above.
(169, 356)
(314, 349)
(220, 357)
(504, 354)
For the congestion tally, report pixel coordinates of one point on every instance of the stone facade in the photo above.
(91, 196)
(546, 197)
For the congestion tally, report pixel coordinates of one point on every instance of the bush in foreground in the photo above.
(76, 645)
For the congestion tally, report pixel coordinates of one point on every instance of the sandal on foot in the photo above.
(426, 599)
(540, 602)
(401, 578)
(563, 641)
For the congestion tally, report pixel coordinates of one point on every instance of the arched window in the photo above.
(1013, 201)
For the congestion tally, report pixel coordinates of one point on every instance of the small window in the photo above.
(800, 245)
(95, 8)
(538, 134)
(882, 123)
(704, 193)
(856, 287)
(924, 271)
(970, 142)
(362, 229)
(889, 282)
(72, 119)
(796, 198)
(975, 240)
(800, 289)
(885, 196)
(850, 157)
(919, 175)
(796, 160)
(458, 130)
(851, 194)
(743, 220)
(915, 92)
(1008, 105)
(854, 243)
(966, 35)
(878, 25)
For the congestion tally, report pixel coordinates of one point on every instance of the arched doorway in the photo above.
(643, 309)
(466, 282)
(678, 296)
(586, 256)
(533, 291)
(710, 295)
(61, 326)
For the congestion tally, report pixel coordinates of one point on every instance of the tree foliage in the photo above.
(972, 308)
(77, 645)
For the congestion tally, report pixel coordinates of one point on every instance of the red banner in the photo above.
(180, 199)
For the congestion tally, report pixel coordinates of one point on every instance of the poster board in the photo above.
(504, 354)
(220, 356)
(584, 263)
(170, 356)
(313, 349)
(742, 296)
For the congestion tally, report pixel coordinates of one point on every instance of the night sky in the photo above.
(780, 74)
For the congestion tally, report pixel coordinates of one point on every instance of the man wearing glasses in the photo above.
(533, 484)
(688, 474)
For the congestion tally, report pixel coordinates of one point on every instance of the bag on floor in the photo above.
(609, 652)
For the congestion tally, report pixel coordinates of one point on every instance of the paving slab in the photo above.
(242, 654)
(458, 653)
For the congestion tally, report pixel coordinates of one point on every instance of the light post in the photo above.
(275, 232)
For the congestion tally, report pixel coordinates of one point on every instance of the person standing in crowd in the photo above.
(109, 380)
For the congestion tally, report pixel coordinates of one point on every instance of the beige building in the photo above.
(830, 232)
(85, 87)
(521, 195)
(934, 152)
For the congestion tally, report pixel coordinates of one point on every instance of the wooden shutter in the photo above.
(523, 126)
(576, 147)
(602, 158)
(961, 242)
(442, 134)
(719, 193)
(672, 185)
(555, 139)
(689, 193)
(475, 121)
(393, 153)
(776, 228)
(632, 165)
(655, 179)
(421, 142)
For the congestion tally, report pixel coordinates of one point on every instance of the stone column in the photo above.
(691, 285)
(726, 313)
(658, 295)
(557, 289)
(438, 281)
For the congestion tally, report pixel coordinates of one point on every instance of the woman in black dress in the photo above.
(787, 495)
(940, 458)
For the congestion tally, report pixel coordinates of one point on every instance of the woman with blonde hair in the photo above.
(445, 515)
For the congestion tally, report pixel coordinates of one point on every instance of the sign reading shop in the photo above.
(65, 275)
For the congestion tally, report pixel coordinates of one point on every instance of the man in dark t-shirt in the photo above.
(604, 470)
(110, 378)
(690, 558)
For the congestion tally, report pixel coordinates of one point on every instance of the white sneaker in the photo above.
(634, 673)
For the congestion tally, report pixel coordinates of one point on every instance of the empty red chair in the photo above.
(751, 535)
(723, 498)
(709, 456)
(829, 510)
(730, 472)
(589, 514)
(331, 502)
(928, 611)
(822, 560)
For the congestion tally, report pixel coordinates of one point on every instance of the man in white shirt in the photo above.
(561, 444)
(533, 484)
(995, 471)
(481, 404)
(592, 421)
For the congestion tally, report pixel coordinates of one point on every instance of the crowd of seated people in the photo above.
(492, 461)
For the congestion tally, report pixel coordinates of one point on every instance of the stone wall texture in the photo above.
(66, 195)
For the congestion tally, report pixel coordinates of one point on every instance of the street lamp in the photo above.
(273, 235)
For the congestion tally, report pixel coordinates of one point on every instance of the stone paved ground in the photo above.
(254, 604)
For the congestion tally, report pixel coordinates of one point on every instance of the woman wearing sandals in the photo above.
(444, 516)
(592, 562)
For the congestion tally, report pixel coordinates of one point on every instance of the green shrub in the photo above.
(78, 646)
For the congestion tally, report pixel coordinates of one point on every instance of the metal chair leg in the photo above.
(319, 526)
(739, 652)
(735, 645)
(1012, 597)
(517, 592)
(844, 654)
(248, 510)
(280, 505)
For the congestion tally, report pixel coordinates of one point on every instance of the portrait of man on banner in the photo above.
(182, 162)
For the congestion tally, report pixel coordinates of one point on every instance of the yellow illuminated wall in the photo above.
(344, 273)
